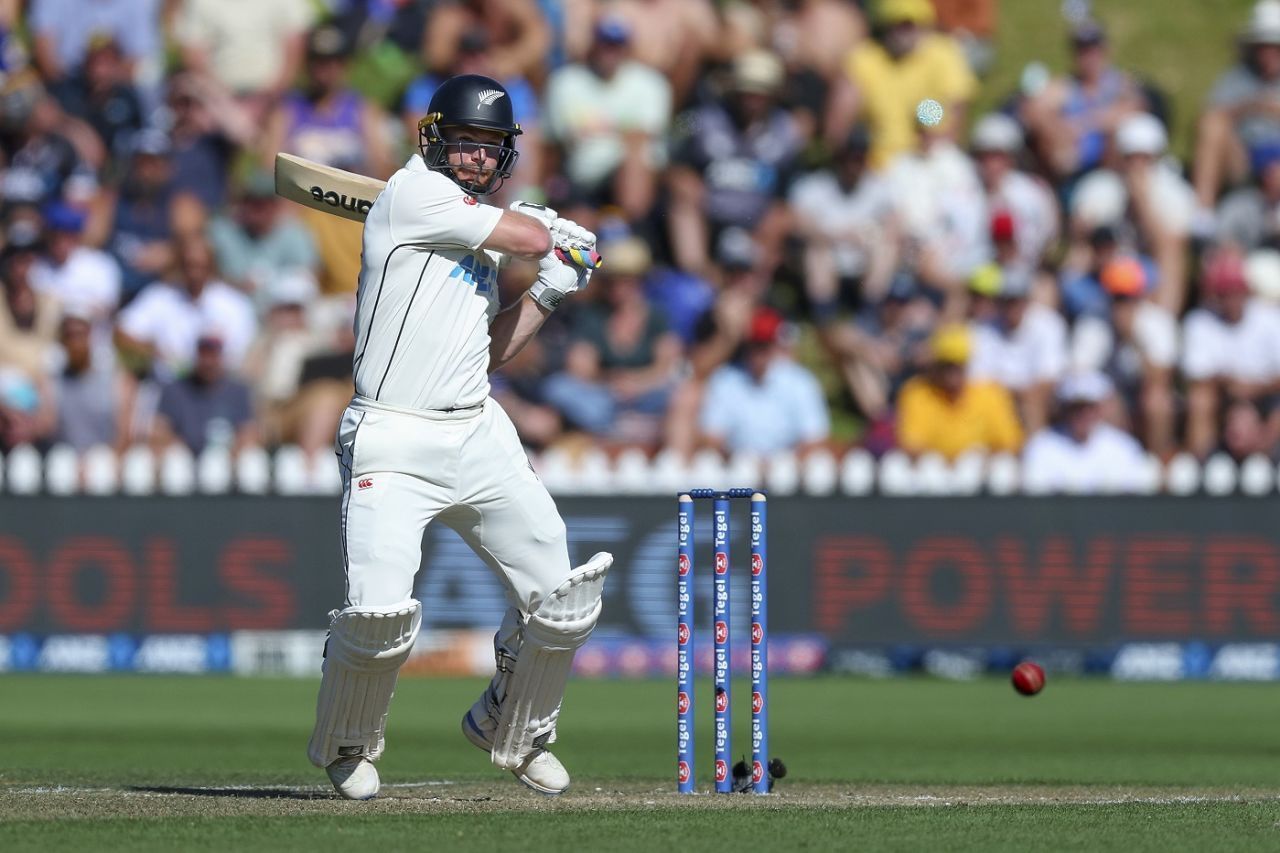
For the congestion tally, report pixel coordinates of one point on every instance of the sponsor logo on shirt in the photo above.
(366, 483)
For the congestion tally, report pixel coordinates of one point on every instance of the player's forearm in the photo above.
(514, 327)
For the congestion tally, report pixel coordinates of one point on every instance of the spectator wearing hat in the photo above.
(1239, 131)
(93, 396)
(475, 55)
(1080, 453)
(1017, 342)
(1135, 345)
(143, 212)
(607, 118)
(730, 167)
(1146, 198)
(1249, 216)
(1071, 120)
(76, 274)
(621, 364)
(1080, 274)
(763, 402)
(206, 407)
(673, 37)
(887, 76)
(1024, 212)
(944, 411)
(253, 49)
(845, 219)
(331, 123)
(28, 316)
(159, 329)
(1231, 349)
(256, 243)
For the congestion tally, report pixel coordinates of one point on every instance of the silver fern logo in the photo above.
(488, 96)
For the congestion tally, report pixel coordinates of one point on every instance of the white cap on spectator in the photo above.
(758, 71)
(1262, 271)
(996, 132)
(1142, 134)
(1086, 387)
(291, 287)
(1264, 23)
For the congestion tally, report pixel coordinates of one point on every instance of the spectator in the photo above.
(1239, 131)
(28, 317)
(64, 32)
(1081, 452)
(102, 93)
(730, 167)
(1250, 215)
(94, 397)
(519, 33)
(944, 411)
(332, 124)
(207, 407)
(1147, 198)
(161, 326)
(1245, 432)
(673, 37)
(1080, 274)
(844, 218)
(476, 56)
(1231, 350)
(254, 49)
(608, 118)
(1022, 205)
(207, 128)
(620, 369)
(256, 243)
(26, 411)
(940, 202)
(763, 402)
(145, 210)
(518, 388)
(886, 77)
(1071, 120)
(1136, 347)
(36, 137)
(77, 275)
(883, 346)
(1019, 343)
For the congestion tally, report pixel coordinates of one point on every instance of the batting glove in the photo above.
(567, 234)
(557, 280)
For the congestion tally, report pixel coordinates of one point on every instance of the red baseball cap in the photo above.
(1224, 274)
(766, 326)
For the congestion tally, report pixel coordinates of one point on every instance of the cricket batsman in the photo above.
(422, 440)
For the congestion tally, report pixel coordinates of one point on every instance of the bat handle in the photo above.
(586, 258)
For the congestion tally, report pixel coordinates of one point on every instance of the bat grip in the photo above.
(585, 258)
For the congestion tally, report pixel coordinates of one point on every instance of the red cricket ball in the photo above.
(1028, 678)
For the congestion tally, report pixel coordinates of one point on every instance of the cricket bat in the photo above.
(346, 194)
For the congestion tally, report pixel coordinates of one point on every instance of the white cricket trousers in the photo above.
(401, 469)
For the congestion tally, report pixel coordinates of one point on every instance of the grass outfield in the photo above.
(155, 763)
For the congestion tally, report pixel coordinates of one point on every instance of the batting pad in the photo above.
(552, 634)
(366, 647)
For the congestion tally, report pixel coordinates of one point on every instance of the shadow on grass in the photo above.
(237, 792)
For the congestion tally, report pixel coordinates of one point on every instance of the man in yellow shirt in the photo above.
(888, 76)
(941, 411)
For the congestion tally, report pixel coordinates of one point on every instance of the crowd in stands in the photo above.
(793, 259)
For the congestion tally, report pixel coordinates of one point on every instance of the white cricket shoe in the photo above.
(354, 778)
(541, 772)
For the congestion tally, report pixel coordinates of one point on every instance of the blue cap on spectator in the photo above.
(152, 141)
(612, 30)
(60, 216)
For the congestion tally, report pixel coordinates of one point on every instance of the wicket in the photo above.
(760, 778)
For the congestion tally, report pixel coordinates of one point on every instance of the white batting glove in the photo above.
(557, 280)
(540, 212)
(567, 234)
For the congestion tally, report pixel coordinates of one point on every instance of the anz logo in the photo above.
(482, 276)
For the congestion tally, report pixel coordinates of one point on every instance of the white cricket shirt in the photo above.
(427, 294)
